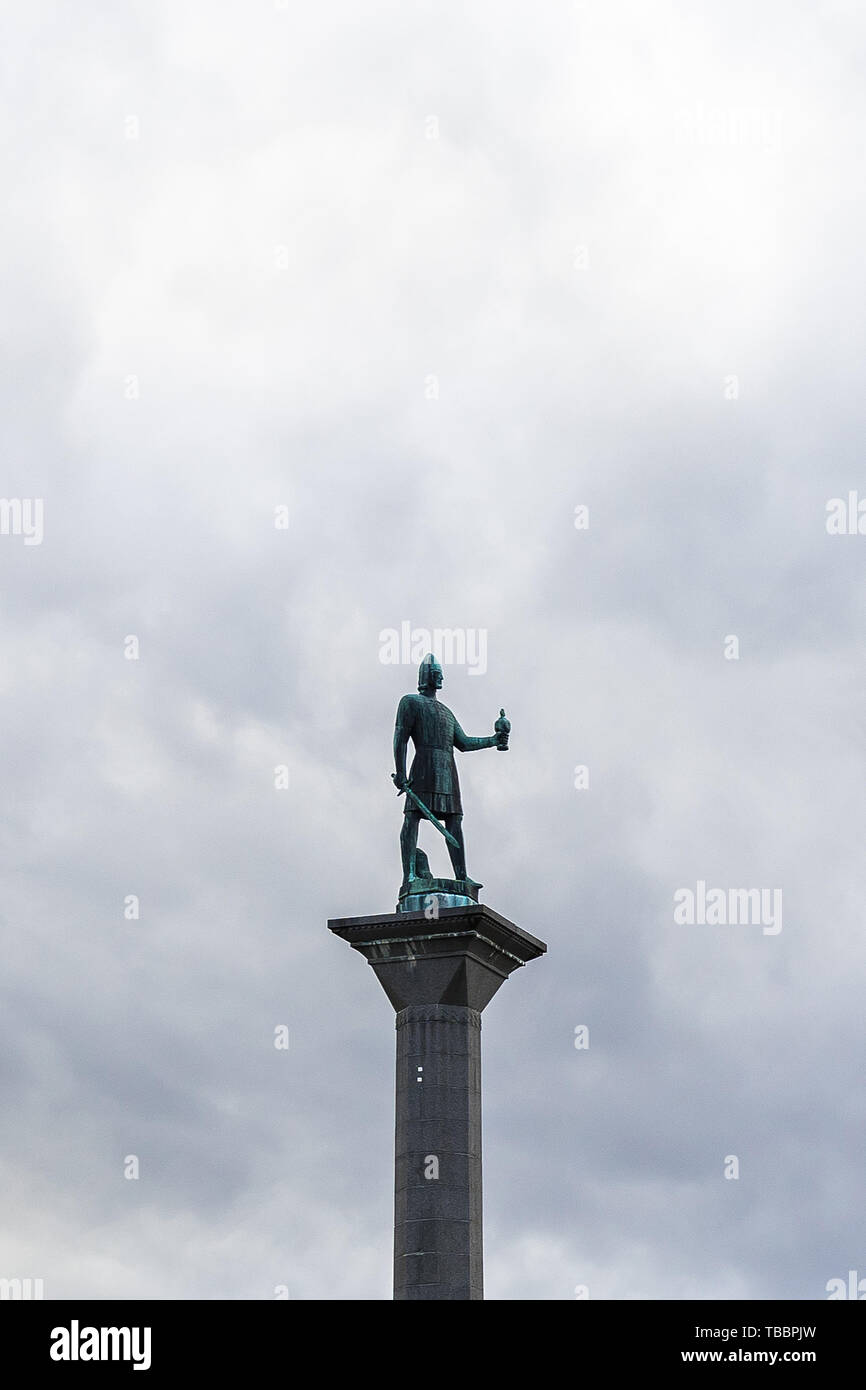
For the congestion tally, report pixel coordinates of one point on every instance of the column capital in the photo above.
(459, 957)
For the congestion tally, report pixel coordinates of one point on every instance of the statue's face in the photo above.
(432, 676)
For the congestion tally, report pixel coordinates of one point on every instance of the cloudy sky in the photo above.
(430, 278)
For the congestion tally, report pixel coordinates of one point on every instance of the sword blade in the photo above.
(432, 819)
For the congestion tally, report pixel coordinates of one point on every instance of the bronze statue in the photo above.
(432, 789)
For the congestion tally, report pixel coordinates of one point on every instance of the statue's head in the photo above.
(429, 675)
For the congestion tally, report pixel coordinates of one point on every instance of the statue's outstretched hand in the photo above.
(503, 729)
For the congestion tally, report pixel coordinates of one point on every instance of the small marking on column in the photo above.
(419, 1078)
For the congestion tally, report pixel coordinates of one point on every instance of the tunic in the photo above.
(435, 734)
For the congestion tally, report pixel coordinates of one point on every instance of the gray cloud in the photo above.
(283, 261)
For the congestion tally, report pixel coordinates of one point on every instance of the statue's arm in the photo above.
(402, 730)
(464, 744)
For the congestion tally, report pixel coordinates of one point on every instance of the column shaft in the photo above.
(437, 1203)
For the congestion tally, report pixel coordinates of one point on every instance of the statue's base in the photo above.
(422, 892)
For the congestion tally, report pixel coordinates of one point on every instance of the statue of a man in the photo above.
(433, 775)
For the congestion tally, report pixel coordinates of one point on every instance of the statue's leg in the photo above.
(408, 847)
(454, 825)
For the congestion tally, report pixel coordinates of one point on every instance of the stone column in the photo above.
(439, 973)
(437, 1186)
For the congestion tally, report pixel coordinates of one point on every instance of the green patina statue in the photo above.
(433, 791)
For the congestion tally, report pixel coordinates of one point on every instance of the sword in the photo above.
(423, 809)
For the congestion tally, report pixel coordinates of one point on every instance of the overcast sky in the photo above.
(430, 277)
